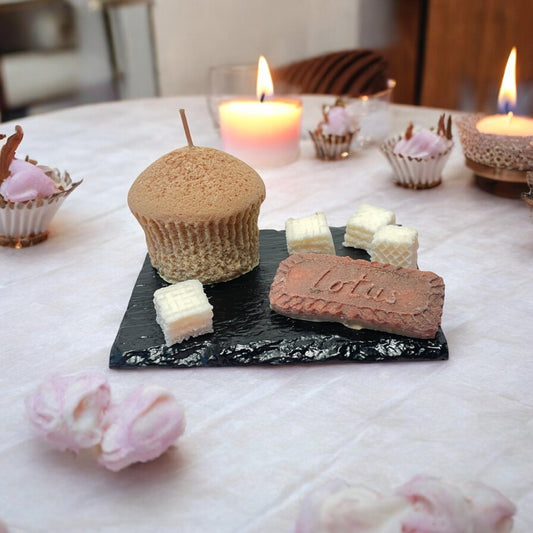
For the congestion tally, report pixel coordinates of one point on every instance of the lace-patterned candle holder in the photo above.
(500, 162)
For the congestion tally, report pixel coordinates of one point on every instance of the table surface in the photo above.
(259, 438)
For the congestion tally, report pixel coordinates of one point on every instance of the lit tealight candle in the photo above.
(507, 123)
(263, 132)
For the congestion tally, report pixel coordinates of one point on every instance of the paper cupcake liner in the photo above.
(210, 251)
(416, 172)
(332, 147)
(26, 223)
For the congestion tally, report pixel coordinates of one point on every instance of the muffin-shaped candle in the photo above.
(334, 134)
(30, 196)
(418, 157)
(199, 208)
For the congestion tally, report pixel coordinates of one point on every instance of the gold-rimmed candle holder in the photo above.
(500, 162)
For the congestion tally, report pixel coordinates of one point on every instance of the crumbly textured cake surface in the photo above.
(396, 245)
(363, 223)
(309, 234)
(198, 208)
(359, 294)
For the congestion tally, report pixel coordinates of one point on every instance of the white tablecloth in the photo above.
(258, 438)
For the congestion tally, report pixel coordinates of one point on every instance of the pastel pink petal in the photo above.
(141, 428)
(436, 507)
(491, 511)
(308, 519)
(68, 412)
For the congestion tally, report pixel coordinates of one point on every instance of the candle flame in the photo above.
(265, 86)
(507, 94)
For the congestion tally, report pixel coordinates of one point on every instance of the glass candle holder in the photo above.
(373, 114)
(229, 82)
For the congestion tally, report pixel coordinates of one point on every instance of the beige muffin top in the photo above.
(195, 184)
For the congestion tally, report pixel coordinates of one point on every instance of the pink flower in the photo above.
(141, 427)
(68, 411)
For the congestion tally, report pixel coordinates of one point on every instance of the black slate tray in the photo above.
(247, 332)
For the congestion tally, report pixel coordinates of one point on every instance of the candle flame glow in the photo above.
(265, 86)
(507, 94)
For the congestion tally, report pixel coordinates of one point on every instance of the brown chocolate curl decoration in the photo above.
(445, 131)
(408, 132)
(8, 152)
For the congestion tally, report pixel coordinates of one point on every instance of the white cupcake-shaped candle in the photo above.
(418, 157)
(30, 195)
(334, 133)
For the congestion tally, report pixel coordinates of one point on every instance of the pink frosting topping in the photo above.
(68, 411)
(26, 182)
(21, 180)
(337, 120)
(424, 143)
(423, 505)
(141, 427)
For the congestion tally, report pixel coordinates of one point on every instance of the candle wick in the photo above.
(186, 128)
(510, 116)
(262, 99)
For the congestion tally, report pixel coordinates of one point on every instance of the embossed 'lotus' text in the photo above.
(359, 287)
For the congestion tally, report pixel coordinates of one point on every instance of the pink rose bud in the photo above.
(68, 411)
(141, 427)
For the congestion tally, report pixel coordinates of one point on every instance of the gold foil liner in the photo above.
(332, 147)
(416, 172)
(26, 223)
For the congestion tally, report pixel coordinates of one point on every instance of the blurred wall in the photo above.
(193, 35)
(190, 36)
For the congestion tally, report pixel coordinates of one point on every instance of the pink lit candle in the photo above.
(507, 123)
(263, 132)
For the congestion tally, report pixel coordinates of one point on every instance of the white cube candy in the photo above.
(364, 223)
(396, 245)
(183, 311)
(309, 235)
